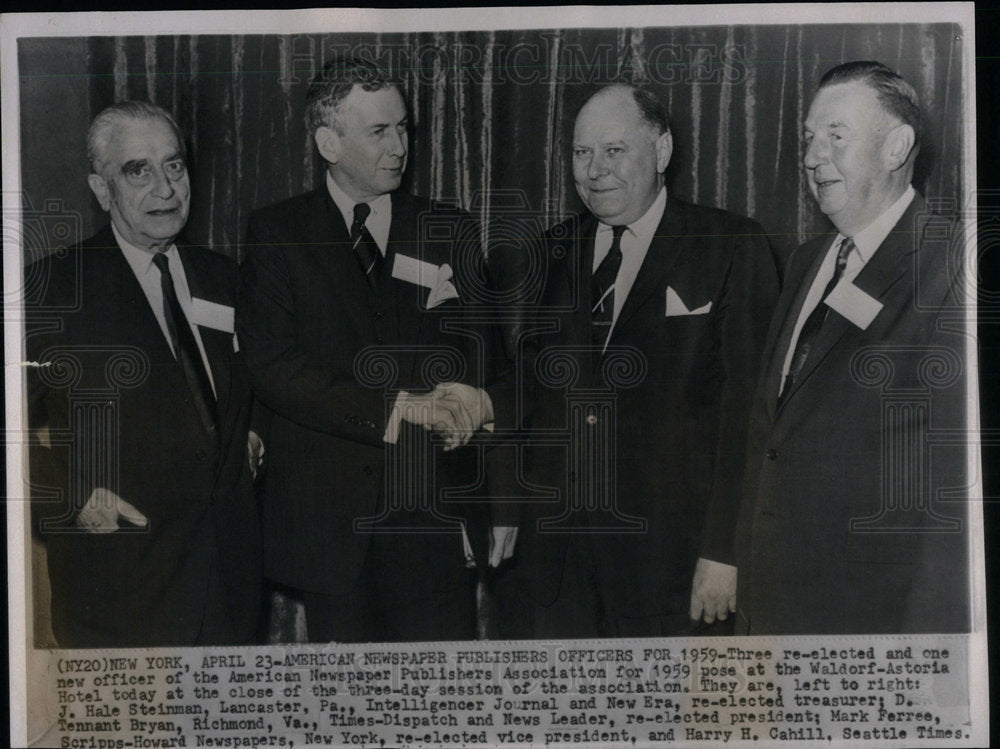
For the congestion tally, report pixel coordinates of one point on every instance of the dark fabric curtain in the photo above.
(492, 113)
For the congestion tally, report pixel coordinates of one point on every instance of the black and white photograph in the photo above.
(577, 376)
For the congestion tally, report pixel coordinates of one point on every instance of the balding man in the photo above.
(853, 520)
(143, 490)
(638, 394)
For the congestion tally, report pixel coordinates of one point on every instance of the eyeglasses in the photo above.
(140, 173)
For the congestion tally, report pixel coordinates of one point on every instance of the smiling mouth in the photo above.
(162, 212)
(823, 184)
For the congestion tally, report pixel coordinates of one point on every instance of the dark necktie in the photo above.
(364, 247)
(814, 323)
(186, 349)
(602, 290)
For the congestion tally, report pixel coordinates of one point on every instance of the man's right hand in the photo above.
(503, 538)
(101, 513)
(447, 417)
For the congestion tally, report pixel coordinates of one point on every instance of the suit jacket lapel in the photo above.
(663, 250)
(815, 252)
(218, 344)
(410, 297)
(329, 240)
(887, 266)
(140, 328)
(578, 268)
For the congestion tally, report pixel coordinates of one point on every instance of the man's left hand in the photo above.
(713, 591)
(255, 453)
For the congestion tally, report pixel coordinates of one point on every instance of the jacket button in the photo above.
(370, 424)
(377, 315)
(201, 455)
(591, 419)
(368, 470)
(772, 454)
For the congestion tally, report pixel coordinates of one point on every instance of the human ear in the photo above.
(99, 187)
(664, 149)
(328, 143)
(897, 146)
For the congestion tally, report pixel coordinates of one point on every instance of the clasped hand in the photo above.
(452, 410)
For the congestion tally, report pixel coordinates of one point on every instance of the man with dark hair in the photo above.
(140, 406)
(352, 316)
(845, 525)
(638, 381)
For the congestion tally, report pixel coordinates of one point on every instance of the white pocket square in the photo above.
(677, 308)
(443, 289)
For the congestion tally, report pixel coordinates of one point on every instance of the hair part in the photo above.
(116, 116)
(331, 85)
(897, 97)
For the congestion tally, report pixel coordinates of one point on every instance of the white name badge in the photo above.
(212, 315)
(411, 270)
(854, 304)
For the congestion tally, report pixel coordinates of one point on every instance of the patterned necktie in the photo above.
(814, 323)
(363, 246)
(602, 290)
(186, 349)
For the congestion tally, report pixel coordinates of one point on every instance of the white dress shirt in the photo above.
(378, 221)
(866, 242)
(148, 276)
(635, 244)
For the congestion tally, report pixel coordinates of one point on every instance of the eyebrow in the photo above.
(831, 125)
(604, 143)
(378, 125)
(129, 165)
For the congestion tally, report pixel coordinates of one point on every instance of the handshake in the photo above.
(452, 410)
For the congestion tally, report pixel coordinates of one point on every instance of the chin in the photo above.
(606, 209)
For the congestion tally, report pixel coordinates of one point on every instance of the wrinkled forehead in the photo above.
(152, 140)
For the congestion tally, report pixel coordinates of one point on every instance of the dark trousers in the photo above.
(389, 603)
(583, 607)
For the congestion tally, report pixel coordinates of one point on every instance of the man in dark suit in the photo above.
(855, 517)
(639, 373)
(352, 316)
(139, 408)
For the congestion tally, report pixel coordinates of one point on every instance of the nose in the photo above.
(597, 167)
(162, 186)
(397, 144)
(816, 153)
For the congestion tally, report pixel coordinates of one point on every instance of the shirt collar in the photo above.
(345, 203)
(141, 260)
(872, 236)
(645, 226)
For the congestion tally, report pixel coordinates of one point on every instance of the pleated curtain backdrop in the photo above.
(491, 113)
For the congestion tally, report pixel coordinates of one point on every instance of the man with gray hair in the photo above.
(854, 520)
(141, 478)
